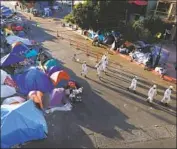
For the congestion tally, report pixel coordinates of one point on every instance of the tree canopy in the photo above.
(93, 14)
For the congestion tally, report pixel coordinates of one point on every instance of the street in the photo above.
(109, 116)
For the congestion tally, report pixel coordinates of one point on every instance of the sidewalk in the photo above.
(171, 72)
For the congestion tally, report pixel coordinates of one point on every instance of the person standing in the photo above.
(133, 84)
(98, 69)
(167, 96)
(152, 92)
(84, 69)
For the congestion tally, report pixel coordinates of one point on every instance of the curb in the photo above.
(166, 78)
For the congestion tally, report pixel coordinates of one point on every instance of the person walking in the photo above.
(151, 93)
(98, 69)
(167, 96)
(84, 69)
(133, 84)
(104, 65)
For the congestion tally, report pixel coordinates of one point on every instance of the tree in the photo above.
(96, 15)
(83, 15)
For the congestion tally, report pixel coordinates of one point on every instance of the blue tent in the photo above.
(10, 59)
(33, 79)
(21, 123)
(21, 34)
(20, 49)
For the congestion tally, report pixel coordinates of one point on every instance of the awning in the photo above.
(139, 2)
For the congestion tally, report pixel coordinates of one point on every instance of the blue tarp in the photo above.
(31, 53)
(20, 49)
(21, 123)
(163, 57)
(31, 80)
(10, 59)
(7, 12)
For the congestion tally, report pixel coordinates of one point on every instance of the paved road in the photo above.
(109, 116)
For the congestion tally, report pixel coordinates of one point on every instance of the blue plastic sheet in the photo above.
(21, 123)
(10, 59)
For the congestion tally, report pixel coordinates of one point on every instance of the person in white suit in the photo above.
(104, 63)
(167, 96)
(98, 69)
(84, 69)
(151, 93)
(133, 84)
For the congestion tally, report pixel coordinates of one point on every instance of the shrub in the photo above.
(69, 18)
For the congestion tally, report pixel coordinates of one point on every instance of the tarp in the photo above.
(10, 59)
(22, 34)
(19, 48)
(3, 75)
(31, 53)
(7, 91)
(33, 80)
(13, 100)
(163, 57)
(14, 39)
(56, 77)
(50, 63)
(21, 123)
(139, 2)
(56, 97)
(109, 39)
(52, 70)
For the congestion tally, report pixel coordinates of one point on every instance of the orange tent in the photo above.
(56, 77)
(36, 96)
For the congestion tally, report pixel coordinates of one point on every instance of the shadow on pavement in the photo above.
(94, 114)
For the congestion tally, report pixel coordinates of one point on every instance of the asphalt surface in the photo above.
(109, 116)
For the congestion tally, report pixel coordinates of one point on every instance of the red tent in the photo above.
(139, 2)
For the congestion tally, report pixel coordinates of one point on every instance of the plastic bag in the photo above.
(12, 100)
(66, 107)
(7, 91)
(4, 75)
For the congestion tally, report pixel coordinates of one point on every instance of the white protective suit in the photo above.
(133, 84)
(84, 69)
(152, 92)
(98, 69)
(166, 98)
(104, 65)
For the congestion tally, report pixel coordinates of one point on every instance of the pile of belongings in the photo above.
(143, 53)
(32, 82)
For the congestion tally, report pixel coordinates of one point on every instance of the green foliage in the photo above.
(99, 14)
(155, 25)
(69, 18)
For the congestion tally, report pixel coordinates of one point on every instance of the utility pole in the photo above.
(160, 51)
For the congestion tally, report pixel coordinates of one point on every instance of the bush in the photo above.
(69, 18)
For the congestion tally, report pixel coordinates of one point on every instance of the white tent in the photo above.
(12, 39)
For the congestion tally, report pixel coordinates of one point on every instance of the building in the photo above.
(166, 9)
